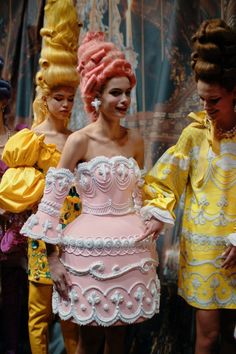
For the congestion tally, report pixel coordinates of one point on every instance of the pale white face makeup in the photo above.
(60, 102)
(115, 99)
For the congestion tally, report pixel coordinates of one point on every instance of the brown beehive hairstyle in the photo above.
(214, 53)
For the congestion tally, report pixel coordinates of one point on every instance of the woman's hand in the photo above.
(59, 276)
(230, 257)
(152, 227)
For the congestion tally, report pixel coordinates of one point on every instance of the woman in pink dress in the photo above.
(104, 277)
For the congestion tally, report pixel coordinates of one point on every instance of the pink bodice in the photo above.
(108, 186)
(113, 276)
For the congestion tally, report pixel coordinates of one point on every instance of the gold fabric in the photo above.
(22, 149)
(41, 315)
(21, 188)
(29, 158)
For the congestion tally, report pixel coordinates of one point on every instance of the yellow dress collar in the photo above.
(203, 122)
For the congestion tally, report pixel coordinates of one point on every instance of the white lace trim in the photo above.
(112, 246)
(108, 208)
(50, 207)
(137, 196)
(231, 239)
(148, 211)
(204, 240)
(90, 165)
(87, 309)
(58, 181)
(101, 174)
(97, 270)
(54, 171)
(27, 230)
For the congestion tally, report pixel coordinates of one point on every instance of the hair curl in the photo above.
(5, 90)
(214, 54)
(58, 59)
(1, 65)
(99, 61)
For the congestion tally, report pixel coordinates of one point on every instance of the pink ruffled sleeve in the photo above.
(44, 225)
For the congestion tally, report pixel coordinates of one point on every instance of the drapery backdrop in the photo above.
(156, 37)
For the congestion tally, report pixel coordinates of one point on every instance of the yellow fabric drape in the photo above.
(29, 159)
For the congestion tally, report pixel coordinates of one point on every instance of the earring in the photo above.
(45, 108)
(96, 103)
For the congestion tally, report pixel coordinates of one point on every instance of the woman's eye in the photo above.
(214, 100)
(58, 99)
(115, 93)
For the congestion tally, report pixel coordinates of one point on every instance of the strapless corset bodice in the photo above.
(108, 186)
(113, 277)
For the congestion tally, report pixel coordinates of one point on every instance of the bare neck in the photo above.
(228, 122)
(110, 129)
(53, 126)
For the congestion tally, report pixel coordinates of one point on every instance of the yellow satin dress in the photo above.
(22, 186)
(205, 169)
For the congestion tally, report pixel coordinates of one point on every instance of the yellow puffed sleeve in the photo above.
(29, 159)
(49, 156)
(166, 181)
(21, 188)
(22, 149)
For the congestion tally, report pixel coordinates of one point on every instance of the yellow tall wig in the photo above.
(58, 58)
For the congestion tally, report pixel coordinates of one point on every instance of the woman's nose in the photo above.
(65, 103)
(206, 104)
(124, 98)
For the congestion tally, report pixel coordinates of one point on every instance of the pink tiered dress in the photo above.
(114, 276)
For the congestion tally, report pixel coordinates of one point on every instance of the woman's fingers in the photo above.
(230, 257)
(152, 227)
(60, 277)
(63, 286)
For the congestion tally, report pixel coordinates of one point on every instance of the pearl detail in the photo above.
(225, 134)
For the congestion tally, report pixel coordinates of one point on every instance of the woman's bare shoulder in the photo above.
(137, 143)
(135, 136)
(79, 136)
(37, 130)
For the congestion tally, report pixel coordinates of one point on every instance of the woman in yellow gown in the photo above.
(30, 153)
(202, 164)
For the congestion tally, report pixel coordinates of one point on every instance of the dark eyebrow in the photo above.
(61, 95)
(211, 97)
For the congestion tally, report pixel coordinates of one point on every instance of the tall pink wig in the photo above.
(99, 61)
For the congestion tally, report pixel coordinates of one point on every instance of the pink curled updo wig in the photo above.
(99, 61)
